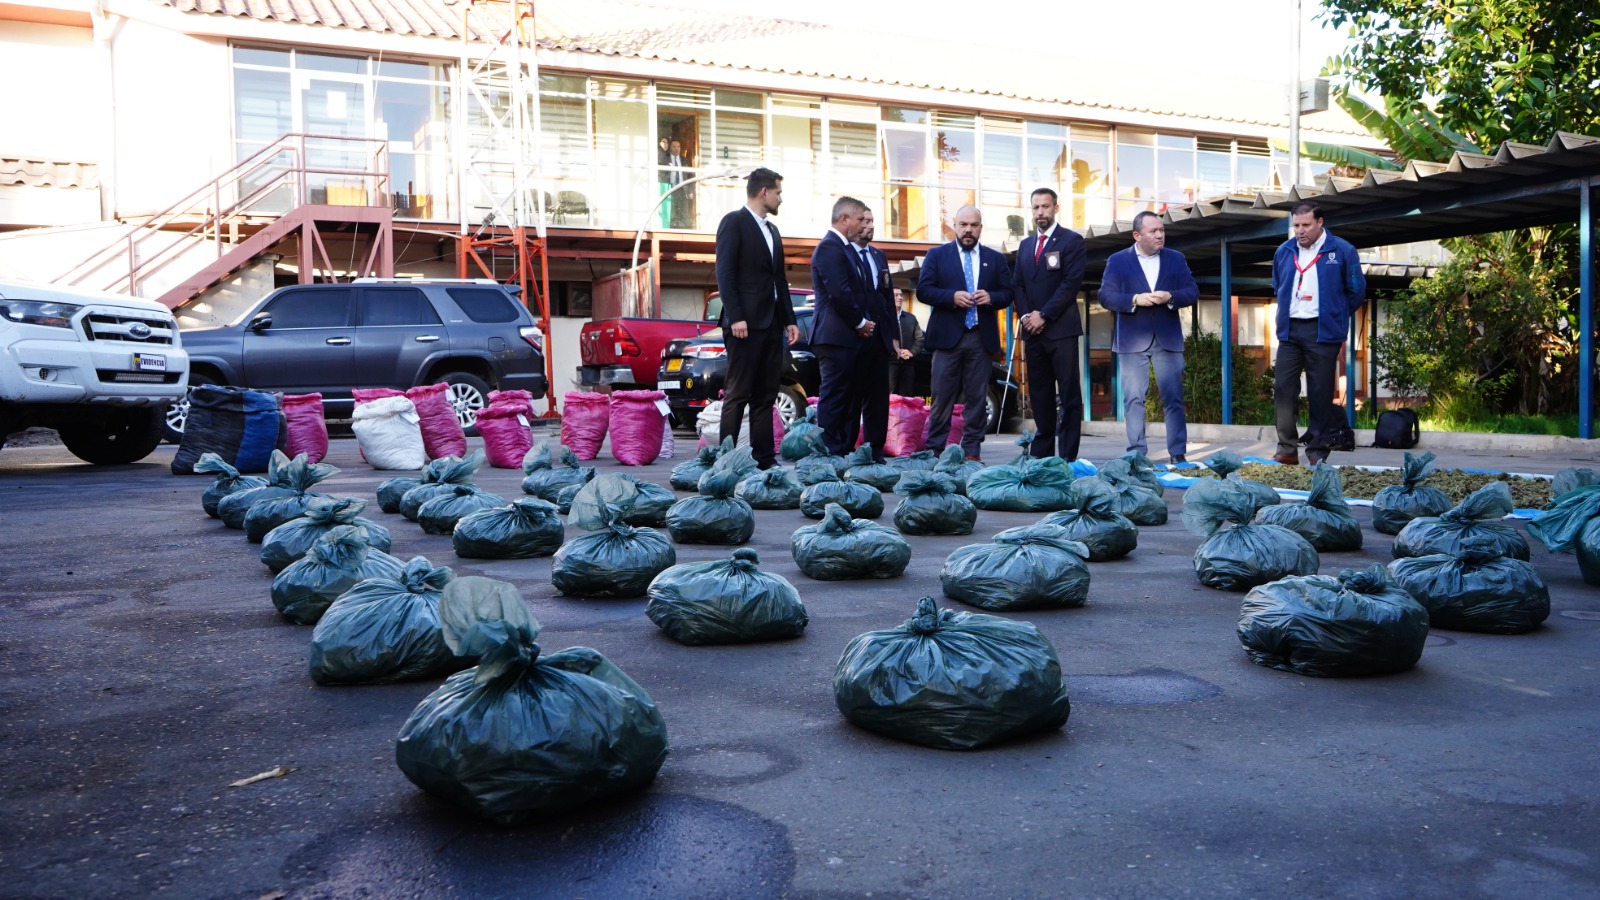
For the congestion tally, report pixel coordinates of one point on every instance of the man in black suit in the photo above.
(902, 372)
(1045, 284)
(757, 316)
(841, 325)
(870, 379)
(677, 173)
(964, 283)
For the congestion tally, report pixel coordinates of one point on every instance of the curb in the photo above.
(1509, 444)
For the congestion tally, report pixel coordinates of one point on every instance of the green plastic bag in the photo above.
(686, 475)
(1572, 525)
(952, 680)
(333, 565)
(385, 629)
(1472, 524)
(227, 481)
(819, 467)
(1565, 480)
(1226, 462)
(738, 460)
(1032, 567)
(862, 501)
(920, 461)
(860, 467)
(715, 515)
(649, 504)
(932, 506)
(289, 542)
(1398, 504)
(617, 560)
(1246, 555)
(953, 462)
(440, 514)
(283, 481)
(522, 736)
(448, 473)
(1135, 500)
(1324, 519)
(726, 601)
(525, 528)
(1143, 470)
(803, 438)
(1094, 521)
(545, 479)
(839, 548)
(1025, 443)
(776, 488)
(268, 513)
(1357, 624)
(1479, 591)
(1036, 485)
(393, 491)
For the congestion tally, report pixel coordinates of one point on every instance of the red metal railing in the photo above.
(247, 192)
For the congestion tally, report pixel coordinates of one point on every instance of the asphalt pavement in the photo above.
(145, 671)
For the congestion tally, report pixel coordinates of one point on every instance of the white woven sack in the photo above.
(388, 434)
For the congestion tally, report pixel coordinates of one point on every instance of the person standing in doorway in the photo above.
(964, 283)
(664, 183)
(1317, 279)
(757, 316)
(681, 197)
(1146, 285)
(1045, 285)
(902, 372)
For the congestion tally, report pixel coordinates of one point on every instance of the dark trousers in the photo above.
(1298, 351)
(961, 374)
(1056, 393)
(853, 397)
(903, 378)
(755, 365)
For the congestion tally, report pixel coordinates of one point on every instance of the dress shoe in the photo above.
(1314, 456)
(974, 459)
(1180, 458)
(1288, 459)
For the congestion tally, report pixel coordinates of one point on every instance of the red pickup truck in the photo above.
(625, 353)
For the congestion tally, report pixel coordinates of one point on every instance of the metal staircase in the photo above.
(298, 186)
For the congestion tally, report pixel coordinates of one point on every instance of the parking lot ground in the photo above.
(146, 670)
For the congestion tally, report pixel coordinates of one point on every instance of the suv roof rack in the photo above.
(371, 279)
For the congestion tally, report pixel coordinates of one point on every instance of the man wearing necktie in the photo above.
(677, 171)
(757, 315)
(843, 328)
(963, 283)
(871, 379)
(1045, 282)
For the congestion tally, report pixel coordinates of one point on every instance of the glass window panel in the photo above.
(854, 165)
(625, 165)
(739, 99)
(563, 84)
(1175, 175)
(1136, 170)
(335, 108)
(794, 105)
(1091, 168)
(796, 152)
(403, 112)
(254, 56)
(1175, 142)
(1047, 129)
(396, 306)
(354, 65)
(958, 177)
(852, 111)
(1002, 170)
(388, 68)
(484, 304)
(618, 90)
(906, 165)
(564, 137)
(321, 308)
(1215, 171)
(1254, 172)
(263, 109)
(1127, 136)
(905, 115)
(739, 138)
(1047, 163)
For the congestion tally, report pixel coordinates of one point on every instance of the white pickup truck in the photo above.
(100, 369)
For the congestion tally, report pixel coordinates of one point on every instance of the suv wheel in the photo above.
(467, 394)
(791, 405)
(126, 436)
(173, 420)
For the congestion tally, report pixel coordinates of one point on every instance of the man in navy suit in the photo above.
(756, 313)
(963, 283)
(883, 347)
(842, 326)
(1045, 285)
(1146, 285)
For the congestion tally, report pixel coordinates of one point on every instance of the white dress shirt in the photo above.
(1151, 266)
(1303, 299)
(765, 231)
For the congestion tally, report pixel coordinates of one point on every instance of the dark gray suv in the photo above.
(374, 333)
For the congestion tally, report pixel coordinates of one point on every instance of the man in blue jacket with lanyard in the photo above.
(1146, 285)
(963, 283)
(1318, 282)
(1045, 284)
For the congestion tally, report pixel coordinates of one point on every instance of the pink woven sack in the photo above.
(507, 435)
(584, 420)
(513, 396)
(636, 426)
(908, 425)
(441, 430)
(367, 395)
(308, 428)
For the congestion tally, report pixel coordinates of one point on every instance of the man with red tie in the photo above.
(1045, 283)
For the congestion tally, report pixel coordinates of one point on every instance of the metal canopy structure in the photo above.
(1520, 186)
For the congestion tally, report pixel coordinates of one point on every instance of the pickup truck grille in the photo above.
(111, 327)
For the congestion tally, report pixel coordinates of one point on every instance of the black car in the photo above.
(474, 335)
(693, 369)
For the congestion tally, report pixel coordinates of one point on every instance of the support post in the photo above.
(1083, 364)
(1586, 311)
(1226, 263)
(1350, 376)
(1372, 358)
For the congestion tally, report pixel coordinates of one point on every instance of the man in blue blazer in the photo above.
(1319, 284)
(1045, 282)
(963, 283)
(1146, 285)
(845, 334)
(757, 316)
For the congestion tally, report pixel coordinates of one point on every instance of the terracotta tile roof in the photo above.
(43, 173)
(627, 28)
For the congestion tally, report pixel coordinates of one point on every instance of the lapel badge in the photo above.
(1052, 260)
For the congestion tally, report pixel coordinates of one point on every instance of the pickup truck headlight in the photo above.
(39, 312)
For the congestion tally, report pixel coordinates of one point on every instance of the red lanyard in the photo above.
(1300, 281)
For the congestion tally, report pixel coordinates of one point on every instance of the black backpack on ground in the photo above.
(1398, 429)
(1339, 435)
